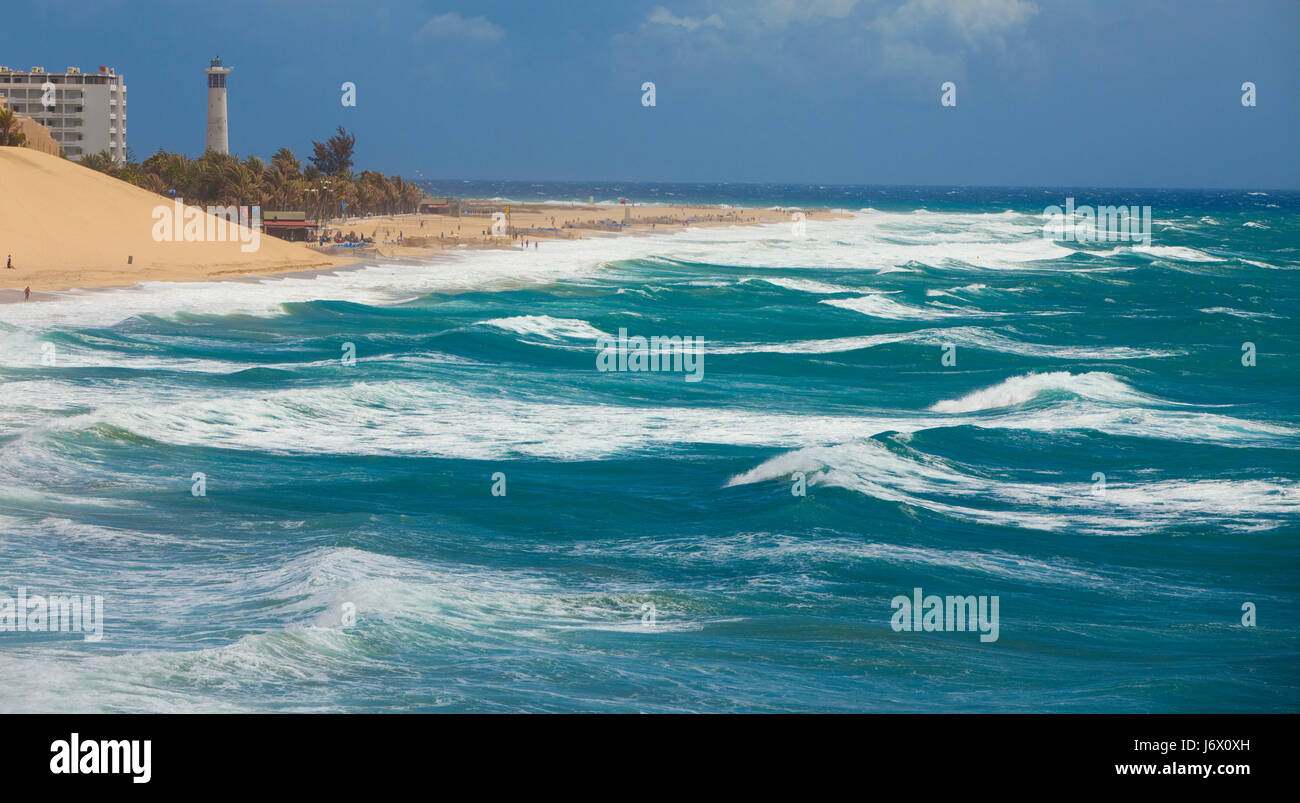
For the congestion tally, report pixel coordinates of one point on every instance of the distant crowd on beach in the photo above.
(352, 238)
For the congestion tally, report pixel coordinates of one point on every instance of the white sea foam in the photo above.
(968, 336)
(1237, 313)
(429, 419)
(966, 289)
(799, 556)
(21, 349)
(398, 602)
(548, 327)
(1094, 385)
(878, 306)
(1176, 252)
(811, 285)
(949, 488)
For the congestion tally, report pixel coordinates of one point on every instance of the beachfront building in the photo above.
(438, 206)
(84, 112)
(218, 133)
(289, 225)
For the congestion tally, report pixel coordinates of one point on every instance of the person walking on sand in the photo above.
(27, 293)
(9, 263)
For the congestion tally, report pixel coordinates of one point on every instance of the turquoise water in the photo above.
(649, 552)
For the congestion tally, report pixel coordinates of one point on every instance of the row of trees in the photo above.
(320, 189)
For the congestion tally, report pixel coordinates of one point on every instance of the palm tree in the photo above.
(174, 170)
(374, 194)
(319, 195)
(9, 133)
(281, 188)
(152, 182)
(238, 185)
(342, 187)
(102, 161)
(367, 198)
(216, 178)
(389, 190)
(294, 193)
(286, 163)
(408, 195)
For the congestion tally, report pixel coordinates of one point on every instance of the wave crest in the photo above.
(1094, 385)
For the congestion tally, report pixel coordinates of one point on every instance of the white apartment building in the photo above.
(88, 111)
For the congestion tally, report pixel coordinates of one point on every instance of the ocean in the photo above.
(410, 487)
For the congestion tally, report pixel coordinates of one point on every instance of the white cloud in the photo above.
(454, 26)
(779, 13)
(662, 16)
(976, 21)
(921, 40)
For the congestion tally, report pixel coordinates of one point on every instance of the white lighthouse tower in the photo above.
(218, 133)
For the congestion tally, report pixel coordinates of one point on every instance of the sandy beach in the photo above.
(532, 225)
(65, 226)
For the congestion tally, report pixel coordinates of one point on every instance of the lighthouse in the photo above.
(218, 133)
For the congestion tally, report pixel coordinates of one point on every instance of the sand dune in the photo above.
(68, 226)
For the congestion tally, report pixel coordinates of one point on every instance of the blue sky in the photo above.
(1145, 93)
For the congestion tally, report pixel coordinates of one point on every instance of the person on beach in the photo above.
(9, 263)
(27, 293)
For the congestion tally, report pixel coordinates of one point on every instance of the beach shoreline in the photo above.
(423, 235)
(410, 237)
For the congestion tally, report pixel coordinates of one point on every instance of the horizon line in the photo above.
(1295, 190)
